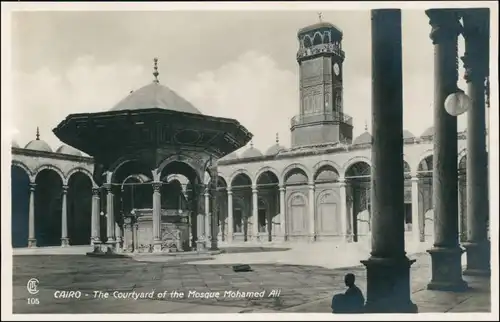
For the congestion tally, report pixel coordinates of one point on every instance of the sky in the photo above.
(237, 64)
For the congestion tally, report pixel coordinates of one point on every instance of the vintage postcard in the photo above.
(250, 160)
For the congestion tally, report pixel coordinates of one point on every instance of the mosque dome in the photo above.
(14, 144)
(275, 148)
(66, 149)
(251, 152)
(407, 134)
(428, 132)
(364, 138)
(37, 144)
(155, 95)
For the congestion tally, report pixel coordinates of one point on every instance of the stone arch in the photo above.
(84, 171)
(267, 169)
(26, 169)
(307, 41)
(293, 166)
(323, 163)
(324, 166)
(236, 173)
(51, 167)
(183, 159)
(328, 220)
(297, 214)
(117, 165)
(421, 158)
(354, 160)
(317, 38)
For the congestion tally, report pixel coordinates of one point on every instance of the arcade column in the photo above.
(283, 212)
(230, 220)
(96, 230)
(214, 221)
(312, 213)
(446, 253)
(476, 63)
(415, 222)
(255, 213)
(31, 217)
(344, 217)
(64, 217)
(388, 268)
(157, 240)
(208, 216)
(110, 216)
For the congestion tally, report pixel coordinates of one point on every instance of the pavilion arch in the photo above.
(51, 167)
(407, 170)
(130, 166)
(425, 165)
(293, 168)
(357, 159)
(238, 173)
(84, 171)
(181, 159)
(25, 168)
(263, 170)
(318, 38)
(461, 154)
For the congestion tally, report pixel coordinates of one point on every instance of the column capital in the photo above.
(311, 185)
(342, 182)
(414, 179)
(65, 188)
(445, 24)
(229, 191)
(108, 187)
(156, 186)
(282, 188)
(254, 189)
(95, 191)
(32, 186)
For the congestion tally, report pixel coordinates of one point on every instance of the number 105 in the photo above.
(33, 301)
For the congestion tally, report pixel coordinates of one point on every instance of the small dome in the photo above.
(230, 156)
(251, 152)
(38, 145)
(319, 25)
(365, 138)
(66, 149)
(275, 148)
(407, 134)
(428, 132)
(14, 144)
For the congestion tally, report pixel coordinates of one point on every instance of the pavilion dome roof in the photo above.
(14, 144)
(66, 149)
(428, 132)
(155, 95)
(407, 134)
(275, 148)
(319, 25)
(364, 138)
(38, 145)
(251, 152)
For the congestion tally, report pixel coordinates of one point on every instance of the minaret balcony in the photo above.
(317, 118)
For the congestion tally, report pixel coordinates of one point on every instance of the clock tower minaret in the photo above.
(321, 118)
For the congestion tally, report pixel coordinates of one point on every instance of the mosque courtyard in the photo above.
(305, 277)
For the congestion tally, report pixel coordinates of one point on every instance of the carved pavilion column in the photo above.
(476, 63)
(388, 268)
(415, 227)
(64, 217)
(311, 213)
(157, 217)
(96, 230)
(230, 220)
(110, 215)
(283, 212)
(31, 218)
(344, 216)
(446, 253)
(255, 213)
(214, 217)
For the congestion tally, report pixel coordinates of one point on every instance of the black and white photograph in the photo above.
(250, 160)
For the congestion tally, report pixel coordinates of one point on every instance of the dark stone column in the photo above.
(446, 253)
(476, 63)
(388, 268)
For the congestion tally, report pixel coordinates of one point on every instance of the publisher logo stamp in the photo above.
(32, 286)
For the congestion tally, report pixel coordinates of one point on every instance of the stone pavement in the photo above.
(303, 288)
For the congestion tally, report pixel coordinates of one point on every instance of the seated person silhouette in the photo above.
(352, 301)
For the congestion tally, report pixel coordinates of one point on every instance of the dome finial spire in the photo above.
(155, 70)
(37, 133)
(277, 138)
(366, 126)
(251, 144)
(320, 16)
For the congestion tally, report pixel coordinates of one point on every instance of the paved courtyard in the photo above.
(302, 288)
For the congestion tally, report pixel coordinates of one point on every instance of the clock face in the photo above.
(336, 69)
